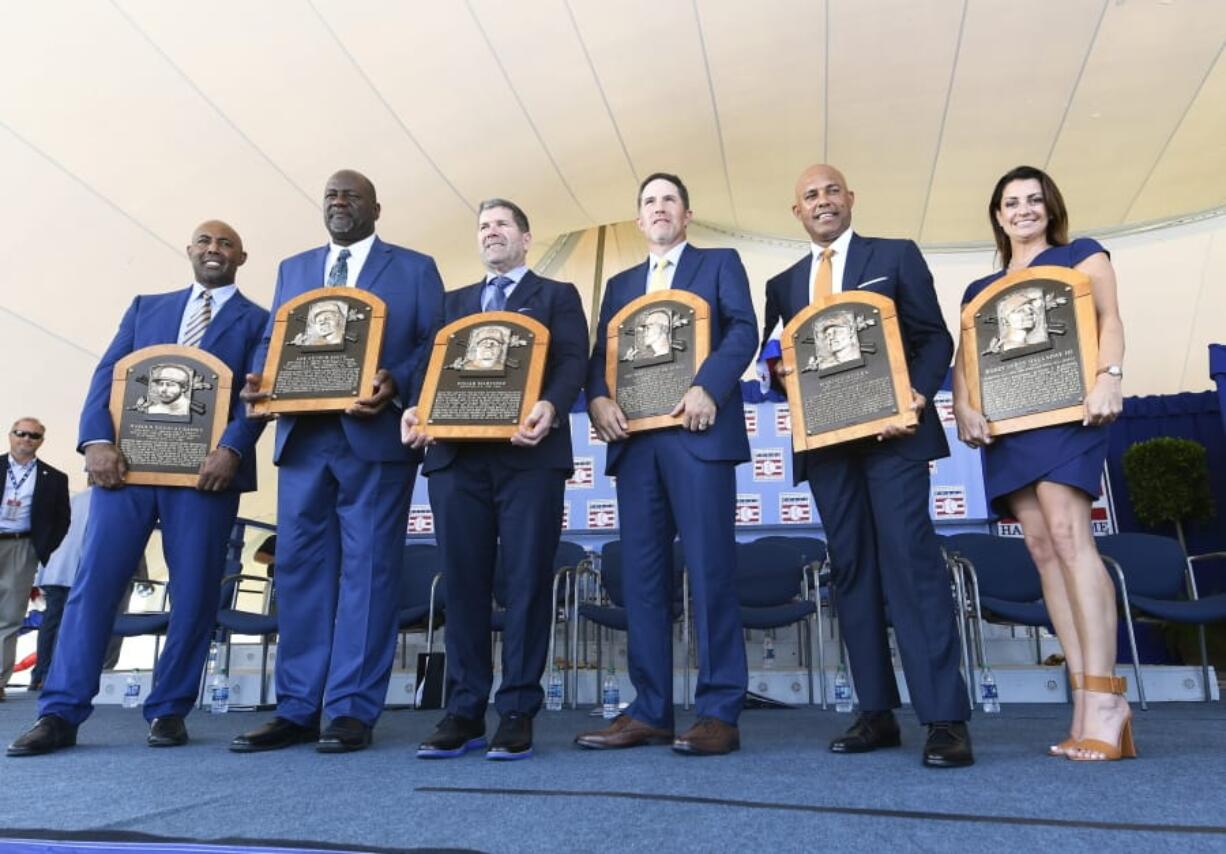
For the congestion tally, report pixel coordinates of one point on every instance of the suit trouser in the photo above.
(341, 524)
(883, 548)
(486, 512)
(195, 534)
(18, 564)
(663, 489)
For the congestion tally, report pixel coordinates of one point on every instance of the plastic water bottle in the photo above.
(553, 692)
(768, 651)
(131, 690)
(842, 690)
(987, 691)
(610, 696)
(219, 682)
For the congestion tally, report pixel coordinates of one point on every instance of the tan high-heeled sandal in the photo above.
(1126, 748)
(1063, 748)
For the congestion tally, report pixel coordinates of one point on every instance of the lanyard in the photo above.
(17, 484)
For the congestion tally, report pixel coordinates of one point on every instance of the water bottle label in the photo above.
(842, 692)
(132, 690)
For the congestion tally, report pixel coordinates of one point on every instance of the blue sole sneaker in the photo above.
(425, 752)
(508, 756)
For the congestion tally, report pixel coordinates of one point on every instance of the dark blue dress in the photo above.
(1071, 453)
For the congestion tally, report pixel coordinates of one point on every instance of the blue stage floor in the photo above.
(782, 792)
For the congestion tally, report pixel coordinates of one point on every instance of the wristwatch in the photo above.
(1113, 370)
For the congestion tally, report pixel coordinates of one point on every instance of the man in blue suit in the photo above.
(499, 504)
(873, 494)
(196, 523)
(344, 486)
(681, 479)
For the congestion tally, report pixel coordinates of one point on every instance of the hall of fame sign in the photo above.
(421, 519)
(795, 508)
(783, 419)
(585, 473)
(768, 464)
(751, 420)
(749, 509)
(948, 502)
(602, 514)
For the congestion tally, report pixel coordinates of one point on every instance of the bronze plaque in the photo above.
(170, 405)
(656, 344)
(324, 351)
(484, 376)
(848, 375)
(1030, 348)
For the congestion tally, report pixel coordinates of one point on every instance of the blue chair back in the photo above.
(1153, 566)
(768, 573)
(568, 555)
(810, 549)
(611, 571)
(421, 562)
(1002, 565)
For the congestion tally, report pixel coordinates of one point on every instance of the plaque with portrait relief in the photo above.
(324, 351)
(1030, 348)
(656, 344)
(169, 404)
(848, 377)
(484, 376)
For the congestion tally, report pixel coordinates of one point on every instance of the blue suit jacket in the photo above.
(717, 276)
(895, 269)
(409, 283)
(232, 336)
(558, 307)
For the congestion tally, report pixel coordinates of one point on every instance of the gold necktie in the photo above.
(658, 282)
(823, 277)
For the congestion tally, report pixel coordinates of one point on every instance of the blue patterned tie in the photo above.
(496, 293)
(339, 274)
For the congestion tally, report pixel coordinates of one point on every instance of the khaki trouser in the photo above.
(18, 564)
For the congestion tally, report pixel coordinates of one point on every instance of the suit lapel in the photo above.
(800, 284)
(527, 287)
(380, 255)
(223, 321)
(858, 252)
(472, 299)
(687, 267)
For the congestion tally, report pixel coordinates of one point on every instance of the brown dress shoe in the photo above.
(708, 737)
(625, 731)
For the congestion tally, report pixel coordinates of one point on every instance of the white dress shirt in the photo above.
(357, 258)
(838, 262)
(25, 475)
(674, 256)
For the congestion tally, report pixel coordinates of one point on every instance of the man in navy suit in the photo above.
(873, 494)
(344, 486)
(680, 479)
(196, 523)
(499, 504)
(34, 517)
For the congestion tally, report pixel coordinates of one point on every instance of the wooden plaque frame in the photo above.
(1087, 339)
(280, 330)
(702, 346)
(894, 354)
(537, 355)
(221, 410)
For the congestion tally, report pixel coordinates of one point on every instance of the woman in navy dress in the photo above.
(1048, 477)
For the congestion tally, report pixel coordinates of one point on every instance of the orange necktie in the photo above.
(823, 277)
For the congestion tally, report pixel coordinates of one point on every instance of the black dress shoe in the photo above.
(274, 735)
(948, 745)
(167, 731)
(49, 734)
(454, 736)
(513, 740)
(344, 735)
(872, 730)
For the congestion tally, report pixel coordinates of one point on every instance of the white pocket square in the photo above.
(872, 281)
(524, 309)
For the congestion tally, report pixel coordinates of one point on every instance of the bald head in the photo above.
(216, 253)
(823, 203)
(350, 207)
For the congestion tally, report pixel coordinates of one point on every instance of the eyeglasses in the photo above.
(26, 434)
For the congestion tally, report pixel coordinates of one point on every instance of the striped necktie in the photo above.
(199, 322)
(496, 293)
(339, 274)
(823, 276)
